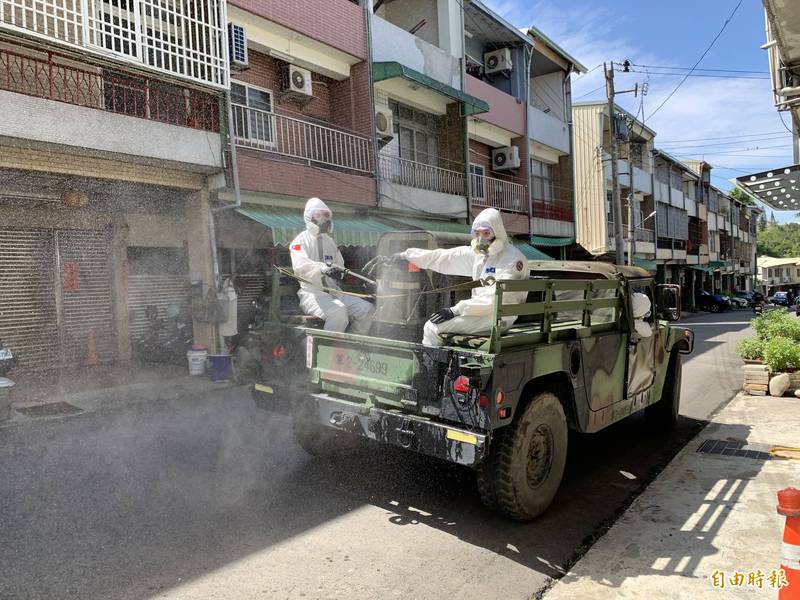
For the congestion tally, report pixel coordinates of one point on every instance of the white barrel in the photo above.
(227, 298)
(197, 361)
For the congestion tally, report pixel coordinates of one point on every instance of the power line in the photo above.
(702, 56)
(725, 137)
(700, 69)
(658, 74)
(682, 146)
(592, 92)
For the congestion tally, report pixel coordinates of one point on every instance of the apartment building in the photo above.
(301, 103)
(110, 147)
(594, 220)
(778, 274)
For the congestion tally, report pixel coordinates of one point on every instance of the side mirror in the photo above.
(669, 301)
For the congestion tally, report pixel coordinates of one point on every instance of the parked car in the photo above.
(752, 297)
(711, 302)
(737, 301)
(781, 298)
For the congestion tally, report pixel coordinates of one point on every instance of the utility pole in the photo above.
(631, 239)
(616, 201)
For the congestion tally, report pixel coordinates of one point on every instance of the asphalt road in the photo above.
(211, 498)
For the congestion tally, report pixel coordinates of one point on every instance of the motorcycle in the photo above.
(167, 339)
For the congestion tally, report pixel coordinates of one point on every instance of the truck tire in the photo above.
(663, 415)
(321, 441)
(523, 471)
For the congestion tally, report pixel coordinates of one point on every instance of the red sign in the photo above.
(72, 276)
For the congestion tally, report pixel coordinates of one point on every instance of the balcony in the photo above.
(641, 179)
(548, 130)
(644, 235)
(398, 45)
(182, 39)
(496, 193)
(296, 138)
(107, 110)
(421, 176)
(553, 209)
(505, 111)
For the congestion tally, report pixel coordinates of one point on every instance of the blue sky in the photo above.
(675, 34)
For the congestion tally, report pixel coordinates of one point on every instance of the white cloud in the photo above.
(703, 108)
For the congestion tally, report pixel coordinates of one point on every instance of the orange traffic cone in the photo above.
(91, 349)
(789, 506)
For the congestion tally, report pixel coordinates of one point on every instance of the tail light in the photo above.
(412, 268)
(461, 384)
(483, 400)
(279, 351)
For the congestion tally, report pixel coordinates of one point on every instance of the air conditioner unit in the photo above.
(384, 123)
(505, 159)
(298, 82)
(497, 61)
(237, 47)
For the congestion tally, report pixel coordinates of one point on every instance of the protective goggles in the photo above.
(321, 215)
(482, 232)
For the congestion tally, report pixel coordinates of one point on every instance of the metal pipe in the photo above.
(368, 12)
(234, 160)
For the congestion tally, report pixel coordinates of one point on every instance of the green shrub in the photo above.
(781, 354)
(751, 348)
(777, 323)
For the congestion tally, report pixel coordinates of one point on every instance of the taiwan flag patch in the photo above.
(297, 247)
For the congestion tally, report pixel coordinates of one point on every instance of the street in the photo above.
(210, 498)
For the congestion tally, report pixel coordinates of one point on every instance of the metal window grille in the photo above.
(185, 38)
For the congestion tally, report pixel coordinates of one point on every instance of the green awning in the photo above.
(348, 230)
(530, 252)
(717, 264)
(391, 70)
(649, 265)
(703, 268)
(551, 242)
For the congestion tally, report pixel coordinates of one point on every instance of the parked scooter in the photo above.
(167, 339)
(7, 360)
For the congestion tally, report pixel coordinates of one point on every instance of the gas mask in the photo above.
(320, 222)
(482, 240)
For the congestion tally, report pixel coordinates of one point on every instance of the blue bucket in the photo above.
(220, 367)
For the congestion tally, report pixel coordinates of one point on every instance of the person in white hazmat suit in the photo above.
(490, 255)
(317, 260)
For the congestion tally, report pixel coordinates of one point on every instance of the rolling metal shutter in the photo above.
(159, 290)
(28, 317)
(89, 306)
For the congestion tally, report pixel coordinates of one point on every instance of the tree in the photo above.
(762, 222)
(782, 241)
(740, 195)
(772, 220)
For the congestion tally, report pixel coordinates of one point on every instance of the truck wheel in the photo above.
(663, 415)
(714, 308)
(321, 441)
(522, 473)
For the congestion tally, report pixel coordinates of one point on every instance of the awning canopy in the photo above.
(649, 265)
(717, 264)
(348, 230)
(779, 188)
(530, 252)
(551, 242)
(391, 70)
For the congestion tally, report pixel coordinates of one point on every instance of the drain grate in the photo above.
(52, 409)
(735, 448)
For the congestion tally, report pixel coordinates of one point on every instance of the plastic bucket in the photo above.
(220, 367)
(197, 360)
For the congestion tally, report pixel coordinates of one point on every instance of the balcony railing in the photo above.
(419, 175)
(644, 235)
(555, 210)
(499, 194)
(48, 75)
(271, 132)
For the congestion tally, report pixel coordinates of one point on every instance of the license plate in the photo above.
(264, 388)
(363, 364)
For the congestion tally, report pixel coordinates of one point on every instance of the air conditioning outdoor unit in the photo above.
(237, 47)
(497, 61)
(505, 159)
(384, 122)
(298, 82)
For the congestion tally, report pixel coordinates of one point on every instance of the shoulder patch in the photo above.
(297, 247)
(519, 265)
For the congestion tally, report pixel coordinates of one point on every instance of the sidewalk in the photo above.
(89, 389)
(706, 517)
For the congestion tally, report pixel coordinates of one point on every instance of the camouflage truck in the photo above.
(501, 403)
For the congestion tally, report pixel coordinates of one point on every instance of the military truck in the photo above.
(500, 403)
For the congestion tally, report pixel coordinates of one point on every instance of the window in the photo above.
(416, 133)
(542, 181)
(252, 118)
(712, 242)
(477, 173)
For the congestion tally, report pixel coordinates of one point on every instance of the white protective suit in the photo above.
(504, 261)
(311, 253)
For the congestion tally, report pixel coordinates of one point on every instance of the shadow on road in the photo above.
(128, 504)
